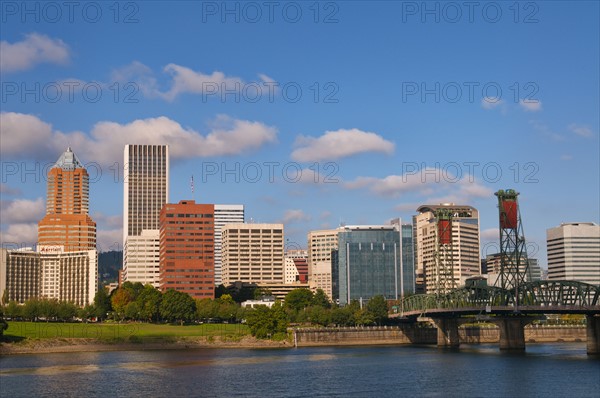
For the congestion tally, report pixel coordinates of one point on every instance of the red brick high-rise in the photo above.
(67, 222)
(187, 259)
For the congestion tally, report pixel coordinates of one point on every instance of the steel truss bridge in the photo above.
(540, 297)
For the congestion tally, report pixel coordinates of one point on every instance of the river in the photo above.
(545, 370)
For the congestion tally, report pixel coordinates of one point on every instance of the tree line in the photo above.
(144, 303)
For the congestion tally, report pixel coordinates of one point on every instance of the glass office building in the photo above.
(369, 262)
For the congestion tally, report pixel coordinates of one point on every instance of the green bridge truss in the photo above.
(570, 296)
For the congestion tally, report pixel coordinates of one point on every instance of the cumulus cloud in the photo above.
(295, 215)
(582, 131)
(106, 221)
(19, 236)
(9, 191)
(186, 80)
(339, 144)
(531, 105)
(434, 185)
(33, 50)
(22, 211)
(29, 137)
(109, 239)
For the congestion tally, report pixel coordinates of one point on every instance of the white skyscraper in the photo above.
(145, 191)
(224, 214)
(574, 252)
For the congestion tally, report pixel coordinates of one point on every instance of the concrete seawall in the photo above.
(412, 334)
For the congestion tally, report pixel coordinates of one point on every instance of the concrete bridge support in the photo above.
(512, 332)
(447, 332)
(593, 335)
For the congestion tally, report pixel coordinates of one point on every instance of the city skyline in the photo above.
(381, 122)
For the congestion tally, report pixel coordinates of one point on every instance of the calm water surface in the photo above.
(552, 370)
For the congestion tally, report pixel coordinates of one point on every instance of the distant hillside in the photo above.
(109, 264)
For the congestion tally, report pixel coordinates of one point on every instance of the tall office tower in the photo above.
(574, 252)
(145, 191)
(369, 263)
(187, 262)
(224, 214)
(408, 258)
(67, 222)
(447, 250)
(321, 244)
(252, 253)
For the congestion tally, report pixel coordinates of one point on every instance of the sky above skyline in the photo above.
(311, 114)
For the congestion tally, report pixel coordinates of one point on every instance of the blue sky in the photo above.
(393, 104)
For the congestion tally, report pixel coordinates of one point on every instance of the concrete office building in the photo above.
(224, 214)
(145, 191)
(321, 244)
(368, 263)
(464, 241)
(187, 262)
(574, 252)
(296, 266)
(253, 253)
(493, 264)
(67, 222)
(142, 255)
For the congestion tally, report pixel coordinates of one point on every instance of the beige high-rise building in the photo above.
(50, 272)
(252, 253)
(320, 245)
(145, 191)
(464, 243)
(574, 252)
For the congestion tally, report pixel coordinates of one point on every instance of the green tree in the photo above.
(102, 304)
(86, 312)
(378, 308)
(119, 301)
(364, 317)
(31, 309)
(66, 311)
(177, 306)
(148, 303)
(134, 289)
(206, 308)
(132, 311)
(318, 315)
(320, 299)
(298, 299)
(4, 297)
(343, 316)
(13, 310)
(261, 292)
(266, 322)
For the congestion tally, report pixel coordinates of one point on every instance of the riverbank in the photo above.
(64, 345)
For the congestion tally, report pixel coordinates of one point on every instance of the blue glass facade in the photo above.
(369, 262)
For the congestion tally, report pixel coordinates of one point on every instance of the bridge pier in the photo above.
(593, 335)
(447, 332)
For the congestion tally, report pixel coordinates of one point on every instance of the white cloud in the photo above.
(338, 144)
(108, 222)
(35, 49)
(430, 181)
(29, 137)
(582, 131)
(546, 131)
(492, 234)
(9, 191)
(531, 105)
(186, 80)
(22, 211)
(109, 239)
(295, 215)
(19, 236)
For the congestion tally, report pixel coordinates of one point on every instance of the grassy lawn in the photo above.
(119, 332)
